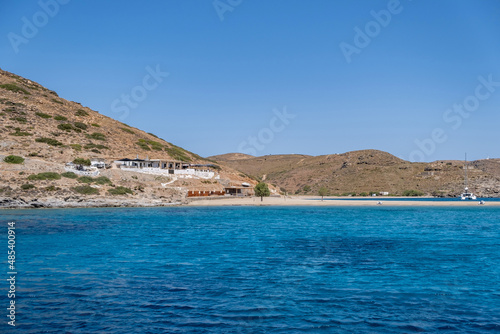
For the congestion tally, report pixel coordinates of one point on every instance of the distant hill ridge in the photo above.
(365, 171)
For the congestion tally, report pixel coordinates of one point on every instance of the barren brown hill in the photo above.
(231, 156)
(362, 172)
(30, 112)
(48, 131)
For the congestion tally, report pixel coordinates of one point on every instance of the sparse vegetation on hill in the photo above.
(19, 119)
(97, 136)
(85, 179)
(45, 176)
(69, 175)
(80, 125)
(149, 145)
(49, 141)
(13, 159)
(102, 180)
(17, 132)
(81, 112)
(177, 153)
(14, 88)
(120, 191)
(67, 127)
(127, 130)
(413, 193)
(143, 145)
(43, 115)
(85, 190)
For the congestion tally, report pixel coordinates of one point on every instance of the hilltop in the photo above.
(231, 157)
(365, 171)
(48, 131)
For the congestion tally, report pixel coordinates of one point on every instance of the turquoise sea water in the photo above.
(408, 199)
(256, 270)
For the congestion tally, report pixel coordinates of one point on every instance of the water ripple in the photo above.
(258, 270)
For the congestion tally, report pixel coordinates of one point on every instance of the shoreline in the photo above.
(55, 203)
(51, 203)
(344, 201)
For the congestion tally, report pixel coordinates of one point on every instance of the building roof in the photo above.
(127, 159)
(151, 160)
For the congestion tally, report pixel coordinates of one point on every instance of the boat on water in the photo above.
(466, 195)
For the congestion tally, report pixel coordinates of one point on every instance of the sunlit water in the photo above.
(409, 199)
(257, 270)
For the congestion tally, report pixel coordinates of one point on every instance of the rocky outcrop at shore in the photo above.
(78, 202)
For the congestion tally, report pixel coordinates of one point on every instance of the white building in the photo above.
(98, 163)
(172, 167)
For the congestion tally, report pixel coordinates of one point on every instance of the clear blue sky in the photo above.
(226, 76)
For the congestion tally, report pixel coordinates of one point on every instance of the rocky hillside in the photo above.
(362, 172)
(48, 131)
(36, 120)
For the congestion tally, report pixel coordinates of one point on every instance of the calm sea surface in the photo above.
(408, 199)
(256, 270)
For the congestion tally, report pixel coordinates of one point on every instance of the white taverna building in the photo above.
(169, 167)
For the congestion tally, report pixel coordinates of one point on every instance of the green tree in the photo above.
(262, 190)
(82, 161)
(413, 192)
(323, 191)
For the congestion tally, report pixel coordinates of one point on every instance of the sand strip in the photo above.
(315, 201)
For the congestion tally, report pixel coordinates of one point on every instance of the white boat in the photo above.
(466, 195)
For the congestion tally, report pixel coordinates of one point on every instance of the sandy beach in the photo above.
(316, 201)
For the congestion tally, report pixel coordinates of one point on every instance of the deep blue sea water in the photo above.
(256, 270)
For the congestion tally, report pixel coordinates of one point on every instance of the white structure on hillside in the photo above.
(81, 170)
(98, 163)
(166, 167)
